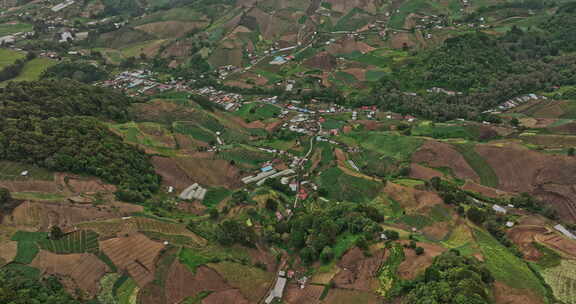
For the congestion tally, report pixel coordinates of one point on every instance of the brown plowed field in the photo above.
(83, 185)
(8, 252)
(486, 191)
(410, 198)
(559, 243)
(438, 155)
(172, 174)
(358, 272)
(323, 61)
(181, 283)
(549, 177)
(85, 269)
(136, 254)
(523, 236)
(213, 172)
(309, 295)
(415, 264)
(420, 172)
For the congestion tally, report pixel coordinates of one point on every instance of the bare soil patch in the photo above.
(412, 199)
(484, 190)
(523, 236)
(309, 295)
(172, 174)
(439, 155)
(415, 264)
(212, 172)
(357, 271)
(420, 172)
(551, 178)
(136, 254)
(8, 252)
(225, 297)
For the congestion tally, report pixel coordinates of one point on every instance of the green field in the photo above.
(7, 29)
(505, 266)
(487, 175)
(343, 187)
(125, 292)
(562, 280)
(387, 143)
(215, 196)
(246, 156)
(192, 259)
(12, 171)
(258, 111)
(76, 242)
(442, 131)
(34, 68)
(195, 131)
(7, 57)
(27, 248)
(388, 273)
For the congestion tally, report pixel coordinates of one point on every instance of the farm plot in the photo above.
(12, 171)
(127, 292)
(388, 144)
(27, 248)
(344, 187)
(388, 273)
(136, 254)
(309, 295)
(75, 242)
(7, 57)
(252, 282)
(181, 283)
(344, 296)
(357, 271)
(84, 269)
(562, 279)
(505, 266)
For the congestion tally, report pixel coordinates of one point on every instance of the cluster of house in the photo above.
(303, 124)
(12, 38)
(230, 101)
(141, 82)
(514, 102)
(193, 192)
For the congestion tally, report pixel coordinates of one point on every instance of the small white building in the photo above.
(499, 209)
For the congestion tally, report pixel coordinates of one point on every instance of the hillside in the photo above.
(265, 151)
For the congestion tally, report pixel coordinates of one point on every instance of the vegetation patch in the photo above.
(388, 274)
(562, 280)
(343, 187)
(505, 266)
(487, 175)
(27, 247)
(75, 242)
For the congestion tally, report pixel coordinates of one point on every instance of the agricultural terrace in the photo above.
(388, 274)
(505, 266)
(562, 280)
(75, 242)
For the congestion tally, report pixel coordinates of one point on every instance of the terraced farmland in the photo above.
(75, 242)
(562, 279)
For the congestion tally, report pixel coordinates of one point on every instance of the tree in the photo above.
(271, 205)
(56, 233)
(391, 235)
(213, 213)
(476, 215)
(5, 197)
(308, 255)
(571, 151)
(419, 250)
(327, 255)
